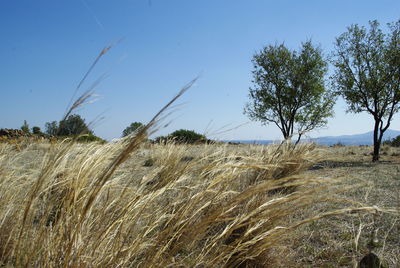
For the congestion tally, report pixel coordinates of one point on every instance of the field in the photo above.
(136, 204)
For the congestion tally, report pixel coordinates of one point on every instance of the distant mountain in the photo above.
(357, 139)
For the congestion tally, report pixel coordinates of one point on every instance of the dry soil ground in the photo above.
(342, 240)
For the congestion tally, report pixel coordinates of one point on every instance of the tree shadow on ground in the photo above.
(340, 164)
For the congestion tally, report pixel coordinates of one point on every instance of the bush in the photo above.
(187, 136)
(89, 138)
(37, 131)
(149, 162)
(183, 136)
(161, 139)
(338, 144)
(395, 142)
(25, 127)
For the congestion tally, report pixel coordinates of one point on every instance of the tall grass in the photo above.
(69, 205)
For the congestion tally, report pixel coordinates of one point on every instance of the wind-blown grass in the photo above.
(68, 204)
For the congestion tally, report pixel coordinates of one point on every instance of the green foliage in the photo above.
(186, 136)
(73, 125)
(395, 142)
(135, 126)
(36, 130)
(367, 73)
(161, 139)
(89, 138)
(149, 162)
(289, 89)
(183, 136)
(25, 127)
(51, 128)
(367, 68)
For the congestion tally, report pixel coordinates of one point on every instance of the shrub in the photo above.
(25, 127)
(183, 136)
(89, 138)
(187, 136)
(338, 144)
(161, 139)
(149, 162)
(36, 130)
(395, 142)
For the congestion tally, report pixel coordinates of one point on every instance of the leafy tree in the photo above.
(289, 89)
(132, 128)
(36, 130)
(51, 128)
(25, 127)
(186, 136)
(73, 125)
(367, 74)
(183, 136)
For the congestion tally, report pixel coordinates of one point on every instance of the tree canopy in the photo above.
(132, 128)
(73, 125)
(367, 74)
(183, 136)
(25, 127)
(36, 130)
(186, 136)
(289, 89)
(51, 128)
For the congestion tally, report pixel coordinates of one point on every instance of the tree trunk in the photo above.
(377, 142)
(298, 139)
(285, 134)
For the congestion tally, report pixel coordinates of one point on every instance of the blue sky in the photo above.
(47, 46)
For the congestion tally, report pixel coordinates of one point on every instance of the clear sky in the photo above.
(47, 46)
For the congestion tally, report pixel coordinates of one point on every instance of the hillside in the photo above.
(356, 139)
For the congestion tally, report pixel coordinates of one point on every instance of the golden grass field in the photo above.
(66, 204)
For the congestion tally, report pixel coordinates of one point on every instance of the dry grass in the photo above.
(92, 205)
(343, 240)
(179, 212)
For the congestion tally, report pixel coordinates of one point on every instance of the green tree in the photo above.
(367, 74)
(25, 127)
(36, 130)
(73, 125)
(186, 136)
(51, 128)
(289, 89)
(132, 128)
